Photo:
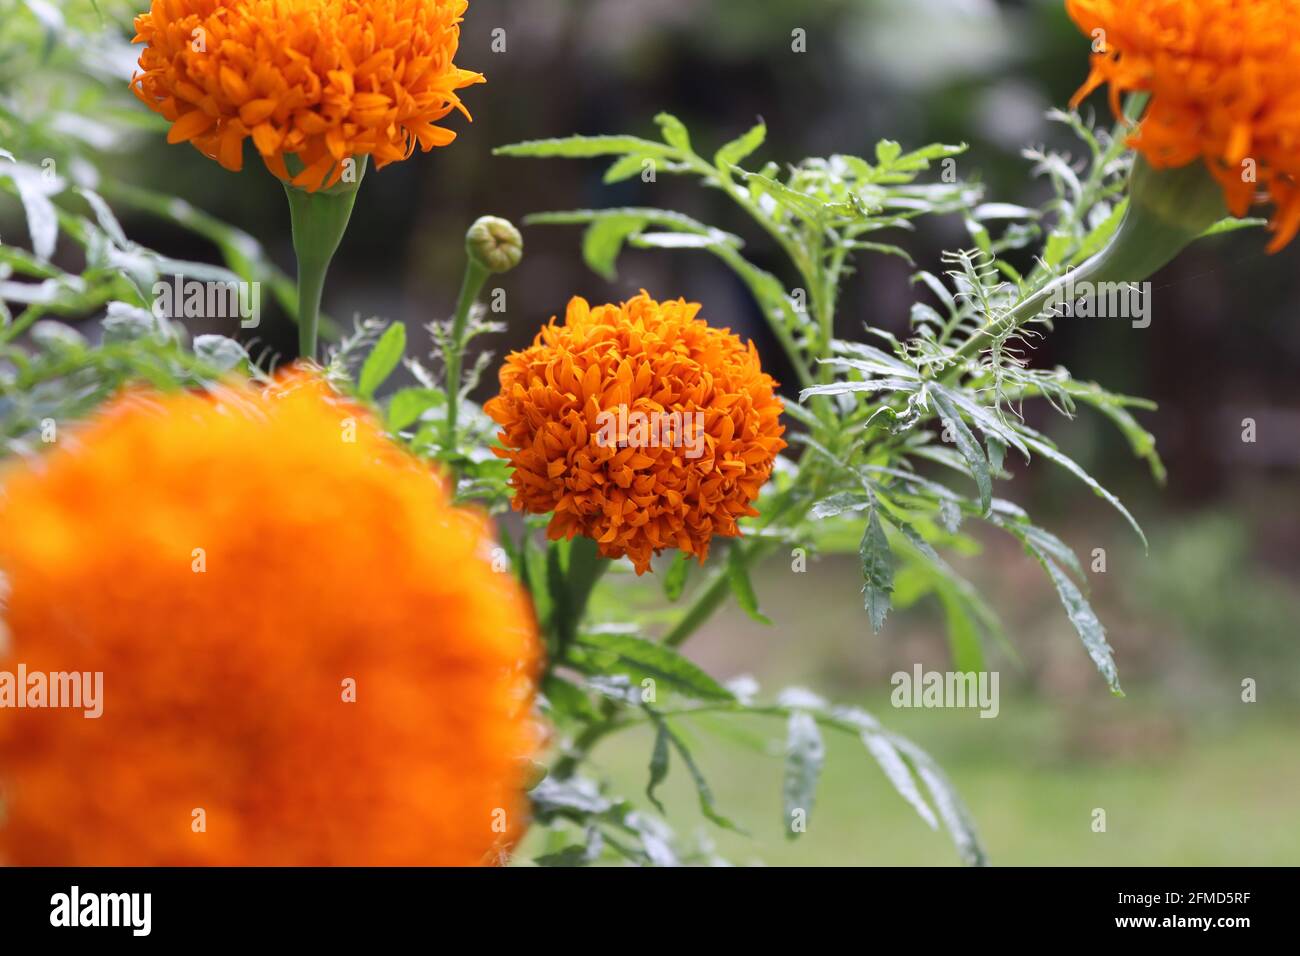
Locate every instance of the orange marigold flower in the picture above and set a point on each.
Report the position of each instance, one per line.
(321, 80)
(299, 636)
(638, 426)
(1224, 79)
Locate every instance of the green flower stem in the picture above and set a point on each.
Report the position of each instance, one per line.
(710, 595)
(1168, 210)
(319, 220)
(471, 285)
(707, 599)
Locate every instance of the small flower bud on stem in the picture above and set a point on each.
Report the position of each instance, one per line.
(492, 245)
(495, 244)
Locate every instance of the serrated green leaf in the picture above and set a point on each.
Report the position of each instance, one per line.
(573, 855)
(968, 617)
(805, 207)
(675, 579)
(970, 449)
(877, 571)
(1097, 239)
(626, 168)
(839, 503)
(585, 147)
(675, 240)
(42, 217)
(381, 361)
(921, 158)
(658, 765)
(567, 699)
(740, 148)
(963, 633)
(899, 775)
(1056, 249)
(950, 515)
(987, 421)
(674, 132)
(220, 352)
(603, 241)
(804, 755)
(1116, 408)
(1233, 224)
(885, 249)
(875, 385)
(406, 406)
(1085, 622)
(104, 216)
(956, 818)
(658, 217)
(741, 587)
(702, 790)
(640, 658)
(1047, 543)
(887, 151)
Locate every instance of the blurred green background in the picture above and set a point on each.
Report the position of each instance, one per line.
(1187, 772)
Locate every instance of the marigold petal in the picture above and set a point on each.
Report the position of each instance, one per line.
(190, 124)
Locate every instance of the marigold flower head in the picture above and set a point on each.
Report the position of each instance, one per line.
(639, 426)
(320, 80)
(238, 565)
(1224, 80)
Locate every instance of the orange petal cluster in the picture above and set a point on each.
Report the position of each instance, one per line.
(632, 496)
(1224, 80)
(320, 80)
(237, 565)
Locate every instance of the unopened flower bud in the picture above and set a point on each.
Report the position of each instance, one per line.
(495, 244)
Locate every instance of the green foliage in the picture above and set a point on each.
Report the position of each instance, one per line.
(884, 423)
(875, 411)
(898, 445)
(65, 112)
(819, 212)
(382, 360)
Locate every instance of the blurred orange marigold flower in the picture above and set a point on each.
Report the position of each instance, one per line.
(321, 80)
(236, 564)
(1224, 79)
(638, 426)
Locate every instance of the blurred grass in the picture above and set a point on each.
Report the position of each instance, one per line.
(1224, 795)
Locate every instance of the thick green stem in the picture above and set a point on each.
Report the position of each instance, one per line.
(1168, 210)
(471, 285)
(319, 221)
(311, 285)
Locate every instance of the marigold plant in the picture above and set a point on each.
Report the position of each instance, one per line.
(639, 426)
(306, 656)
(318, 642)
(320, 86)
